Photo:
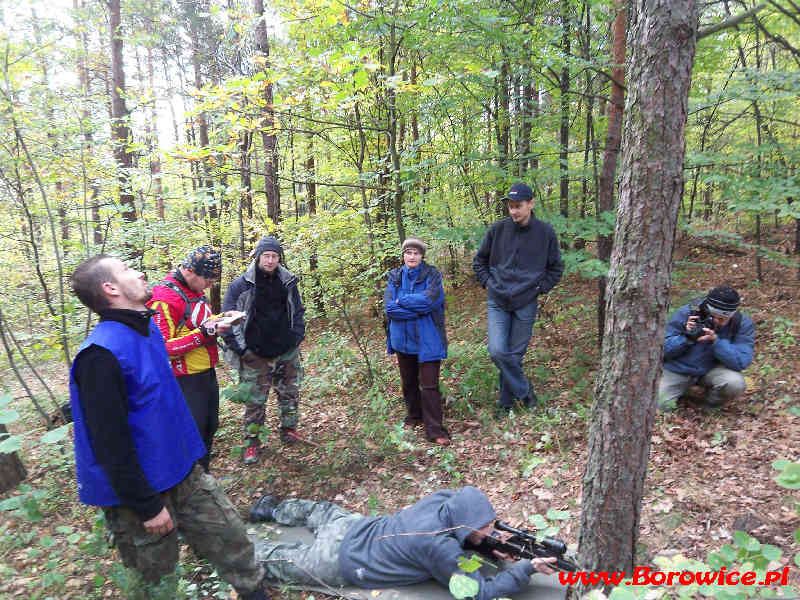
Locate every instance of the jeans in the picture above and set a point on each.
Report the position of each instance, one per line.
(509, 334)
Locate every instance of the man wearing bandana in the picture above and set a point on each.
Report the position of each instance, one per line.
(713, 357)
(181, 312)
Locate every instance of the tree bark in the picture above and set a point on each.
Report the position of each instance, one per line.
(662, 53)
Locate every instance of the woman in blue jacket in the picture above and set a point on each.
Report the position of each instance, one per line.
(414, 301)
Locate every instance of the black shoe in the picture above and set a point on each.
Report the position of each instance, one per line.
(262, 509)
(530, 401)
(258, 594)
(501, 411)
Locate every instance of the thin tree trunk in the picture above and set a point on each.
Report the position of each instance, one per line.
(268, 138)
(120, 132)
(391, 102)
(605, 191)
(563, 166)
(663, 40)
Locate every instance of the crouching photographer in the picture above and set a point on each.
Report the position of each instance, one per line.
(708, 342)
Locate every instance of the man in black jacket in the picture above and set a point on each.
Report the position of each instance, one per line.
(265, 345)
(518, 260)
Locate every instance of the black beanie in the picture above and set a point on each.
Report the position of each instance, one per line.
(266, 244)
(723, 301)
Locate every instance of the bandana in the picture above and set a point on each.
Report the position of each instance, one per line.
(205, 262)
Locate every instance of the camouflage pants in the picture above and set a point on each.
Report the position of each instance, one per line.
(284, 374)
(209, 523)
(300, 563)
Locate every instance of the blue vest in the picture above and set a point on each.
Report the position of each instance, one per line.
(164, 433)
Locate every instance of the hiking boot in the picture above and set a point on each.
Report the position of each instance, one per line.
(501, 411)
(251, 454)
(290, 436)
(530, 401)
(258, 594)
(263, 509)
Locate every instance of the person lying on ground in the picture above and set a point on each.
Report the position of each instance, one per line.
(422, 542)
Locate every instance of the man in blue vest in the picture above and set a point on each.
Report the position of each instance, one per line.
(137, 447)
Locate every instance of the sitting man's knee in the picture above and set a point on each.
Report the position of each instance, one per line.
(733, 386)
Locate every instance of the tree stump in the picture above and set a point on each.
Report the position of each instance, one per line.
(12, 471)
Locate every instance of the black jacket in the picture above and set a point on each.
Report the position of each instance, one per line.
(516, 264)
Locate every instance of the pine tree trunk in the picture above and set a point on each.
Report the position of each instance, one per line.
(662, 41)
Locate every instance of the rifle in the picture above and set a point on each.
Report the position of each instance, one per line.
(523, 544)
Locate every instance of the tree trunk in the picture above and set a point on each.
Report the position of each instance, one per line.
(391, 102)
(563, 165)
(268, 138)
(662, 53)
(605, 191)
(152, 143)
(120, 132)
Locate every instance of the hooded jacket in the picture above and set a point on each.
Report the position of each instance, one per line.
(240, 296)
(733, 347)
(375, 553)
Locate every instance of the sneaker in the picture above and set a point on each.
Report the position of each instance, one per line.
(262, 509)
(251, 454)
(290, 436)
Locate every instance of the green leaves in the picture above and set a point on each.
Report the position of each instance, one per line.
(462, 586)
(789, 476)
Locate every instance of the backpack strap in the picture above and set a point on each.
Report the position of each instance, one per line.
(737, 322)
(187, 303)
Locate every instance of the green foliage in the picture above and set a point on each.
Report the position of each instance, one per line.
(26, 504)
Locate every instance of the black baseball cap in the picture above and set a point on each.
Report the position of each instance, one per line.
(519, 193)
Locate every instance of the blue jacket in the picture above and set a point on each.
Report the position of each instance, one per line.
(732, 349)
(164, 433)
(375, 553)
(416, 313)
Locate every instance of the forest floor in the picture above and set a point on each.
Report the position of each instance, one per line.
(710, 471)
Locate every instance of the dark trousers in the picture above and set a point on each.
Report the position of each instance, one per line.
(425, 406)
(201, 391)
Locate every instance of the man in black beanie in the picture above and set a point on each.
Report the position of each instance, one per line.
(708, 342)
(265, 345)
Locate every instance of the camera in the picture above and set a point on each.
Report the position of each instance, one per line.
(704, 321)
